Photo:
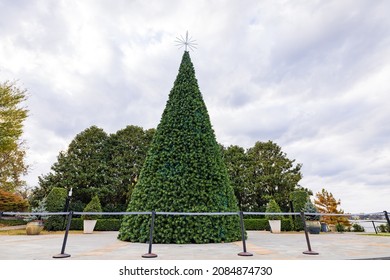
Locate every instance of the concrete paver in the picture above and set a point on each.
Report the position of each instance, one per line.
(263, 245)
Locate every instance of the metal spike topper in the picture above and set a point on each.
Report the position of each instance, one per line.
(186, 42)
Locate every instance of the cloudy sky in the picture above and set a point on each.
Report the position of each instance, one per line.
(312, 76)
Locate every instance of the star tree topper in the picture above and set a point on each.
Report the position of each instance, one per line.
(186, 42)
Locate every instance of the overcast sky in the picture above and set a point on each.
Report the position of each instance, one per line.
(312, 76)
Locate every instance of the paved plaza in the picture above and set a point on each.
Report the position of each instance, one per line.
(263, 245)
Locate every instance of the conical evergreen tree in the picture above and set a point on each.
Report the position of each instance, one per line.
(183, 172)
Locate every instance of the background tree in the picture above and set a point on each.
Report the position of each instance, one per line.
(236, 163)
(126, 150)
(298, 200)
(326, 203)
(270, 174)
(82, 167)
(12, 202)
(97, 163)
(184, 172)
(12, 148)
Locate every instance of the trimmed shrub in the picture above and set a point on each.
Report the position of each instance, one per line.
(384, 228)
(256, 224)
(10, 202)
(273, 207)
(298, 199)
(101, 224)
(340, 228)
(357, 228)
(55, 202)
(262, 224)
(93, 206)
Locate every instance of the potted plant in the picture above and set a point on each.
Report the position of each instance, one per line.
(35, 223)
(273, 220)
(90, 220)
(312, 221)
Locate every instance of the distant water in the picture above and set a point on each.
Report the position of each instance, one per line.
(368, 226)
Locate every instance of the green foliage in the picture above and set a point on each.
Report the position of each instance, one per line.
(55, 202)
(256, 224)
(340, 228)
(101, 224)
(97, 163)
(8, 223)
(357, 228)
(12, 148)
(93, 206)
(310, 208)
(262, 224)
(261, 172)
(298, 199)
(273, 207)
(10, 202)
(126, 149)
(41, 208)
(183, 172)
(236, 163)
(384, 228)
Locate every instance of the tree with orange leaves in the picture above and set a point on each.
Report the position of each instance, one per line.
(326, 203)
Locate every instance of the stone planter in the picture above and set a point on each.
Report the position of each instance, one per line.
(313, 227)
(275, 225)
(89, 225)
(34, 228)
(332, 228)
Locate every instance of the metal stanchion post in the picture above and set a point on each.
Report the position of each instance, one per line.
(63, 254)
(244, 253)
(66, 207)
(150, 254)
(387, 217)
(309, 251)
(373, 224)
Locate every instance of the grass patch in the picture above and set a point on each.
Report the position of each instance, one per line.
(379, 234)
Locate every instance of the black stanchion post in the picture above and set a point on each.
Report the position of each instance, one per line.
(66, 207)
(150, 254)
(63, 254)
(309, 251)
(244, 253)
(373, 224)
(1, 214)
(387, 218)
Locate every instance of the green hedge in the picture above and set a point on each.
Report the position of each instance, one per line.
(114, 224)
(101, 224)
(262, 224)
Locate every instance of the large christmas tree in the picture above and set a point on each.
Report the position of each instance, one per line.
(183, 172)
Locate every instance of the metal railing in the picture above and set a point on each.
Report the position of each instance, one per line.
(153, 214)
